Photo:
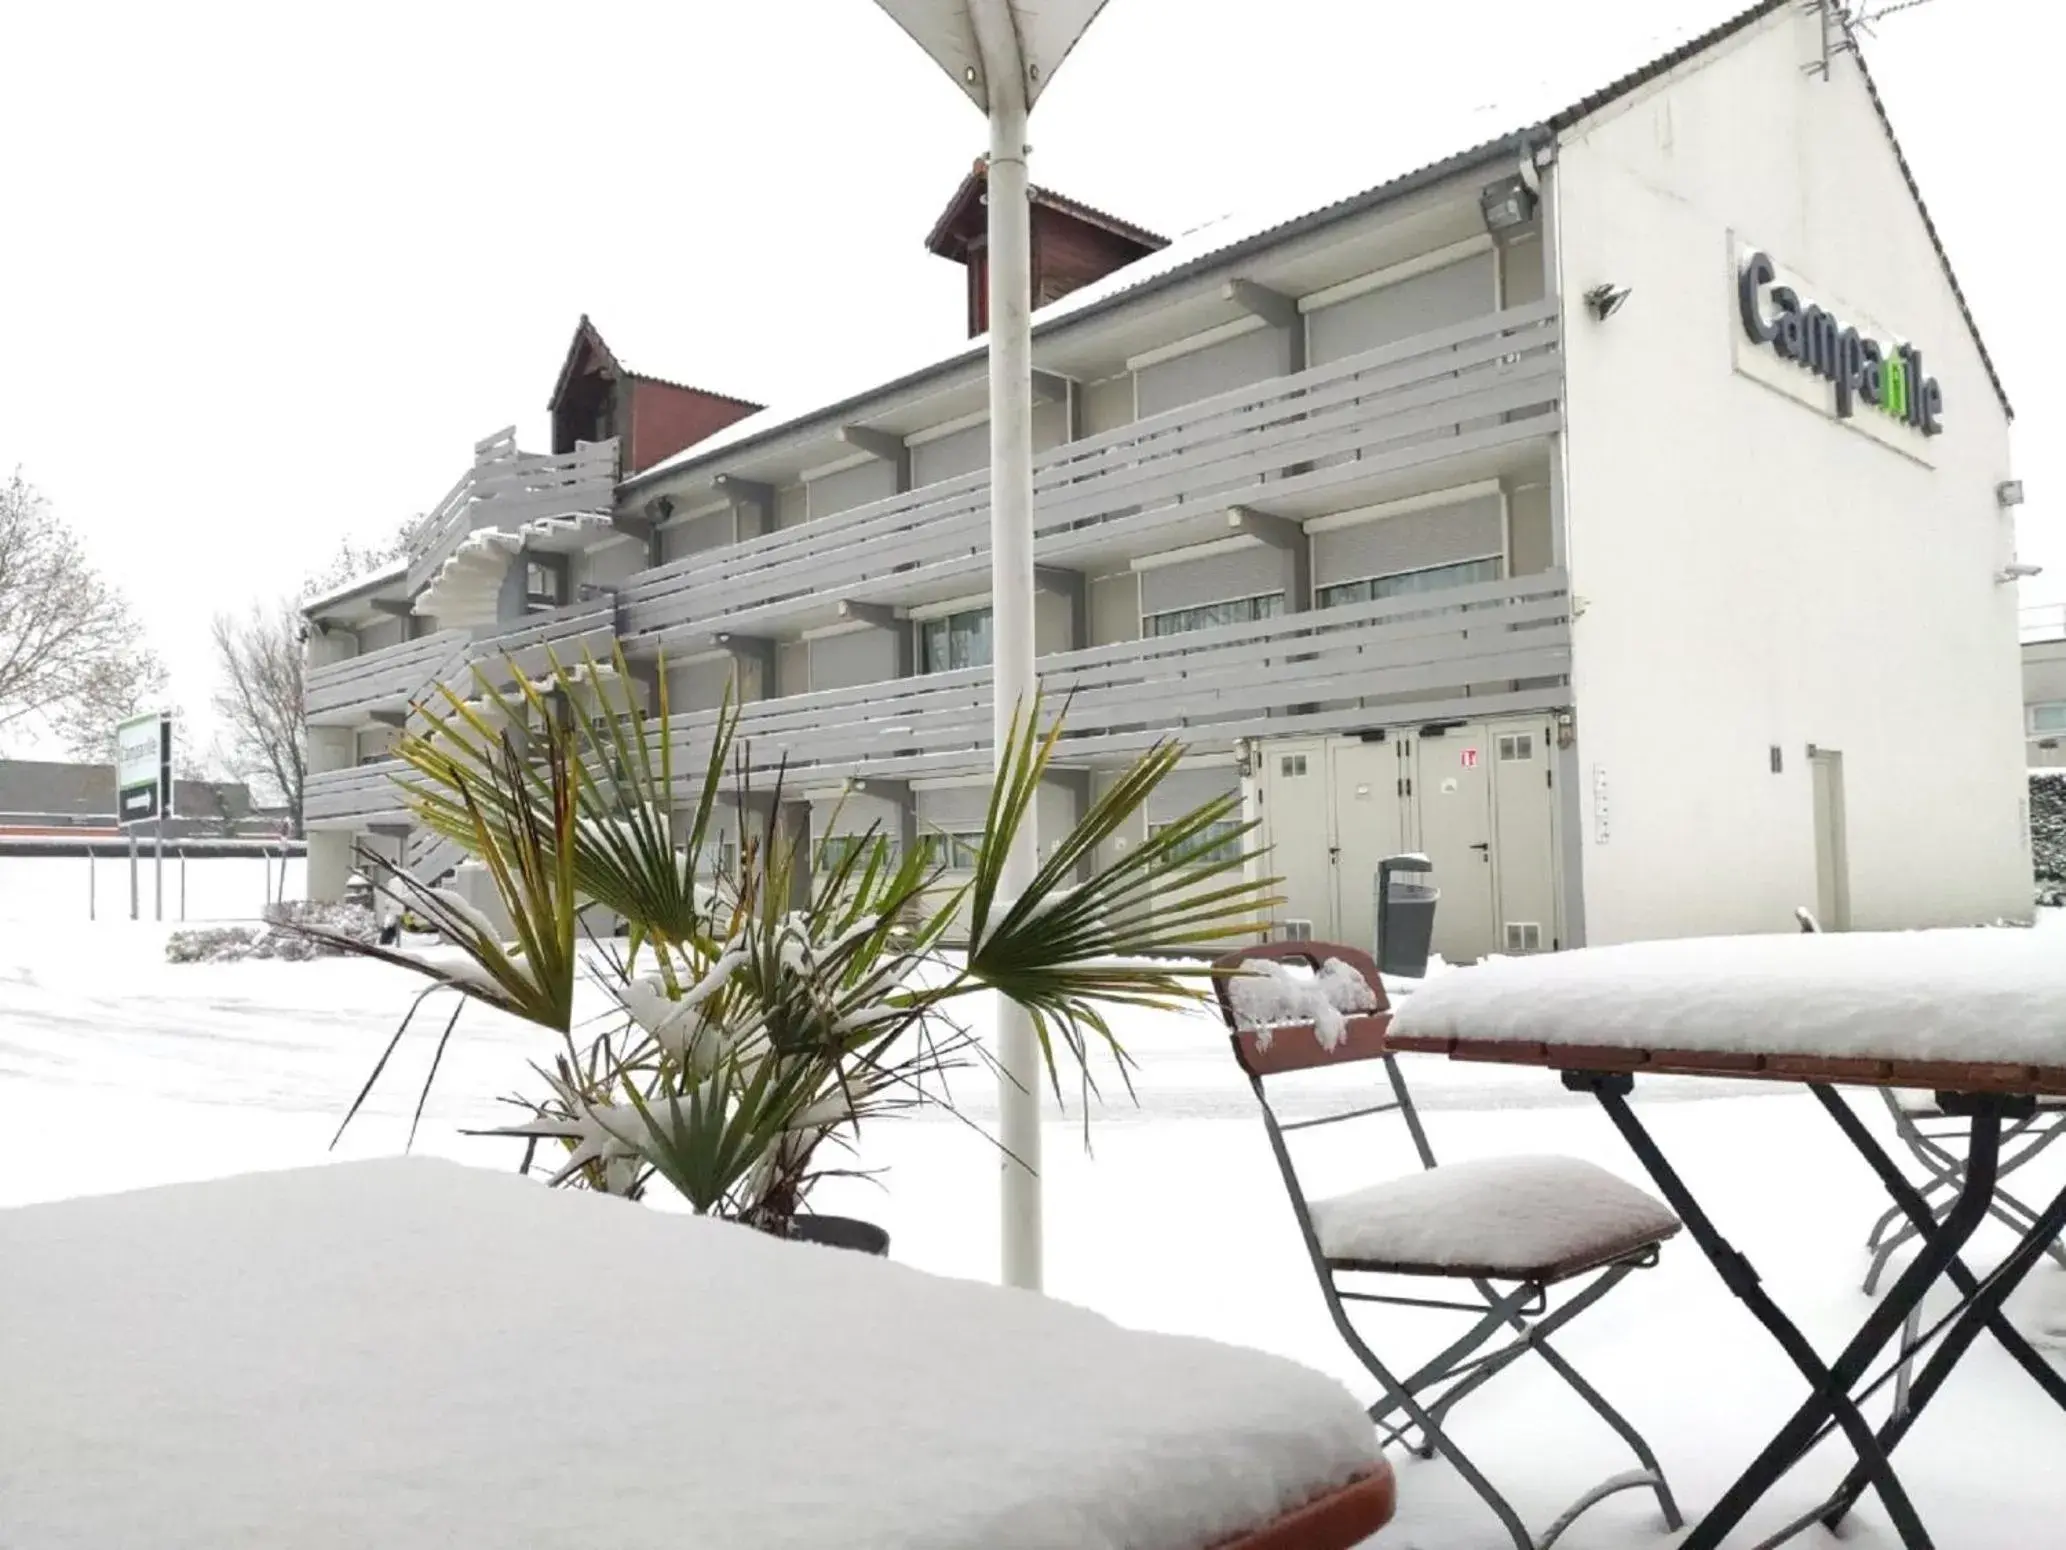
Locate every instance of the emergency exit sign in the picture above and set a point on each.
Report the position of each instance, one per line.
(1470, 758)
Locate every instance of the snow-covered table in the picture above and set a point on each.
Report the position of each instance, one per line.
(409, 1354)
(1978, 1016)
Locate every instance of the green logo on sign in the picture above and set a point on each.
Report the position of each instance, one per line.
(1887, 378)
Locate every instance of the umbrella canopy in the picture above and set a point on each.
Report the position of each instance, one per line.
(946, 29)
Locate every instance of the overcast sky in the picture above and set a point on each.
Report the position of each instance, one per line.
(268, 271)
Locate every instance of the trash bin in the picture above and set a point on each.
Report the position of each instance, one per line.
(1406, 898)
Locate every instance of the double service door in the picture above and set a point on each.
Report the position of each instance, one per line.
(1476, 798)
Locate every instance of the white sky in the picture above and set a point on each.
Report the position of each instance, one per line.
(268, 271)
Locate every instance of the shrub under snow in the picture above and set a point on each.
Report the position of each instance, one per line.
(2048, 834)
(228, 944)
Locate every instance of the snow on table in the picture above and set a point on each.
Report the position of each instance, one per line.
(409, 1353)
(1976, 996)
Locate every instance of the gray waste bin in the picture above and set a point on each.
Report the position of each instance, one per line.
(1406, 898)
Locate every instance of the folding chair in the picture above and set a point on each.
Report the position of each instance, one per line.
(1931, 1136)
(1921, 1123)
(1510, 1229)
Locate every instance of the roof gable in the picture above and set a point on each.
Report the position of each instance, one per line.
(1225, 241)
(964, 219)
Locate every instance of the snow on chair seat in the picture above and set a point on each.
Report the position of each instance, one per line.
(1529, 1222)
(1542, 1219)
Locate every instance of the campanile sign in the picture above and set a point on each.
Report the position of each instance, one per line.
(1821, 353)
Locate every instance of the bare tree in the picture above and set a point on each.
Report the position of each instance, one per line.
(259, 700)
(72, 658)
(354, 559)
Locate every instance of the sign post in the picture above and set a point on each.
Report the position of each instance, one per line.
(143, 794)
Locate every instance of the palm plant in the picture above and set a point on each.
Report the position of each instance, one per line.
(760, 1007)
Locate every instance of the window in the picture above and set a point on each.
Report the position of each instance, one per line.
(954, 640)
(1516, 746)
(1242, 610)
(1214, 843)
(545, 584)
(835, 849)
(956, 852)
(2048, 718)
(1435, 578)
(1291, 765)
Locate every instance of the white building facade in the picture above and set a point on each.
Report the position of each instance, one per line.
(1610, 512)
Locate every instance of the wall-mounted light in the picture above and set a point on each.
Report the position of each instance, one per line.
(2017, 570)
(1605, 299)
(2009, 493)
(1506, 204)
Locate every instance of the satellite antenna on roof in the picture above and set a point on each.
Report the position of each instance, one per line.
(1844, 20)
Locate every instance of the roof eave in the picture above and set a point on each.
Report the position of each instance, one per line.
(1488, 153)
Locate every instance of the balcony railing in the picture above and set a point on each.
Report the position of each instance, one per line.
(1492, 649)
(1281, 445)
(389, 680)
(360, 797)
(1496, 648)
(350, 692)
(506, 488)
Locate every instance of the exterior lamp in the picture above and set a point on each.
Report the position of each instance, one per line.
(1604, 300)
(1506, 204)
(1003, 54)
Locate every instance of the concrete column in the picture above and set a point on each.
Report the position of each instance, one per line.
(329, 864)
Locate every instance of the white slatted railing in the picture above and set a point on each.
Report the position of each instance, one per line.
(506, 488)
(1492, 648)
(386, 679)
(1473, 386)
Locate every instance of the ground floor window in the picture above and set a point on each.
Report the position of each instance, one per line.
(1432, 578)
(1215, 843)
(835, 850)
(954, 640)
(1207, 616)
(953, 852)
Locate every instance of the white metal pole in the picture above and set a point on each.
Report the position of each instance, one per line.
(1011, 599)
(92, 882)
(158, 873)
(133, 895)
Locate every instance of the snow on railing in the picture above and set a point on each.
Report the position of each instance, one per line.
(506, 488)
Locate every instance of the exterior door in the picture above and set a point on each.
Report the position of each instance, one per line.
(1453, 792)
(1299, 830)
(1524, 859)
(1832, 861)
(1369, 810)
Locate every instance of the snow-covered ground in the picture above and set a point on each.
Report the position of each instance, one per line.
(118, 1070)
(80, 890)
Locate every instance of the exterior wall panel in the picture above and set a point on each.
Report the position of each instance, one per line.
(1115, 609)
(1107, 405)
(853, 657)
(1217, 578)
(1255, 356)
(1414, 540)
(963, 452)
(873, 480)
(666, 418)
(1750, 561)
(1528, 530)
(1416, 305)
(697, 535)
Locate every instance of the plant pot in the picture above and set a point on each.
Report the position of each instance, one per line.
(841, 1232)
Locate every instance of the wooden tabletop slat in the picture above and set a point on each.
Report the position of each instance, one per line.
(1370, 1031)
